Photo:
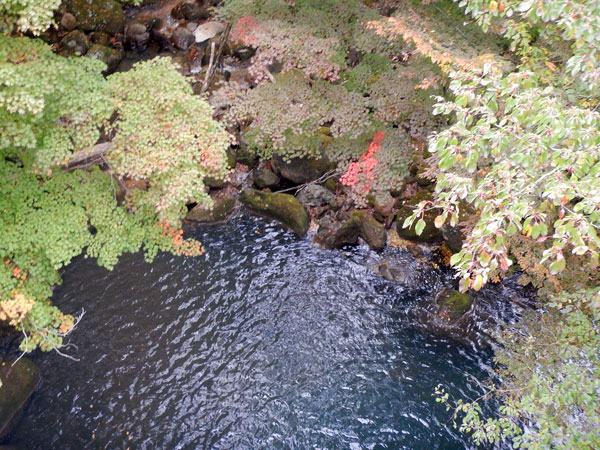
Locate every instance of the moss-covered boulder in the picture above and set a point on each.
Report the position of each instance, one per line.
(430, 232)
(76, 41)
(264, 178)
(18, 384)
(221, 210)
(281, 207)
(452, 305)
(361, 224)
(108, 55)
(301, 170)
(97, 15)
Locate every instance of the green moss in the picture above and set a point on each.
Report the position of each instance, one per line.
(284, 208)
(430, 232)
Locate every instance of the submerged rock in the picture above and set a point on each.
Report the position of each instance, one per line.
(18, 384)
(190, 11)
(284, 208)
(221, 210)
(301, 170)
(430, 232)
(452, 305)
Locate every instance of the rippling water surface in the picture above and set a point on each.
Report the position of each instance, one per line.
(263, 342)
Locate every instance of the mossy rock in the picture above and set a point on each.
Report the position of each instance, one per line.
(362, 224)
(77, 41)
(454, 236)
(452, 305)
(301, 170)
(221, 210)
(215, 183)
(430, 232)
(18, 384)
(284, 208)
(108, 55)
(264, 178)
(97, 15)
(330, 184)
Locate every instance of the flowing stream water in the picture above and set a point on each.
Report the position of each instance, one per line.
(263, 342)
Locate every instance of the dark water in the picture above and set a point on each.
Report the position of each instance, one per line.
(263, 342)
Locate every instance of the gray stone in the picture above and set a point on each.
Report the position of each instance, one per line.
(109, 56)
(183, 38)
(76, 41)
(264, 178)
(208, 31)
(314, 195)
(68, 22)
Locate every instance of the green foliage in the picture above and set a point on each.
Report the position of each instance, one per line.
(27, 15)
(47, 221)
(550, 371)
(43, 123)
(164, 134)
(53, 109)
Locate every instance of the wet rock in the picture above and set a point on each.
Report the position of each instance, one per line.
(76, 41)
(137, 36)
(362, 224)
(454, 236)
(264, 178)
(221, 210)
(231, 157)
(182, 38)
(215, 183)
(161, 34)
(97, 15)
(430, 232)
(452, 305)
(383, 205)
(97, 37)
(18, 384)
(244, 53)
(246, 156)
(301, 170)
(284, 208)
(208, 31)
(190, 11)
(68, 22)
(314, 195)
(109, 56)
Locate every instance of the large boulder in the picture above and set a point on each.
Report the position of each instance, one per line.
(221, 210)
(18, 384)
(430, 232)
(281, 207)
(97, 15)
(301, 170)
